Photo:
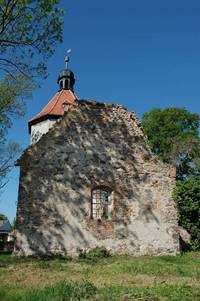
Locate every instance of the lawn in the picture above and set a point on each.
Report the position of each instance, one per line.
(122, 278)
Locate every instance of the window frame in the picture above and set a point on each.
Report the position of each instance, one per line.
(99, 191)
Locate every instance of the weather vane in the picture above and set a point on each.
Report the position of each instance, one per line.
(67, 58)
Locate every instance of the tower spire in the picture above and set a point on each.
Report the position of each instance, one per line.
(66, 78)
(67, 58)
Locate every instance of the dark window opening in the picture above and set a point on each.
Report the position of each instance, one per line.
(61, 84)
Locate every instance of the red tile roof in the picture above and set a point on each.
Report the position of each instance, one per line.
(55, 106)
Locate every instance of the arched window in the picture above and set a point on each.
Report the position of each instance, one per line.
(102, 203)
(66, 83)
(61, 84)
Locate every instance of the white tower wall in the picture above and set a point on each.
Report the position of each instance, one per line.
(41, 128)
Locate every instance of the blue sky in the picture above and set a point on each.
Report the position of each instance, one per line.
(138, 53)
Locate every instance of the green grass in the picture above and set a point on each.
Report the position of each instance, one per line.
(117, 278)
(60, 291)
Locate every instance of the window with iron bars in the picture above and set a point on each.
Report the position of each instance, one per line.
(101, 202)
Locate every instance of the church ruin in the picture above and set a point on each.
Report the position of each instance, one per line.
(89, 179)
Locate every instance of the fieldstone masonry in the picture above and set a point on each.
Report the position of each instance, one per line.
(95, 145)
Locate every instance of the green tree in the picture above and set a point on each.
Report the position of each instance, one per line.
(12, 96)
(28, 28)
(29, 31)
(173, 136)
(187, 197)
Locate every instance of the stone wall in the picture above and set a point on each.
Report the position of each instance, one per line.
(95, 144)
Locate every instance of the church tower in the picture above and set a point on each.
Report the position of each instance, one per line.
(54, 110)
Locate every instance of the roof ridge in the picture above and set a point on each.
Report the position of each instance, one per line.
(56, 101)
(46, 106)
(60, 93)
(74, 94)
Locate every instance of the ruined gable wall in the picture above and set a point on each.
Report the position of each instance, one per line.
(95, 144)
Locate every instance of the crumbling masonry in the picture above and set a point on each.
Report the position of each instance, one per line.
(92, 181)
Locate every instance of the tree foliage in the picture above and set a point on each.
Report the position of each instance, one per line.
(8, 153)
(12, 100)
(187, 197)
(173, 136)
(12, 96)
(29, 30)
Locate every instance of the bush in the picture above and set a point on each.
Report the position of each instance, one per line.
(95, 253)
(187, 198)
